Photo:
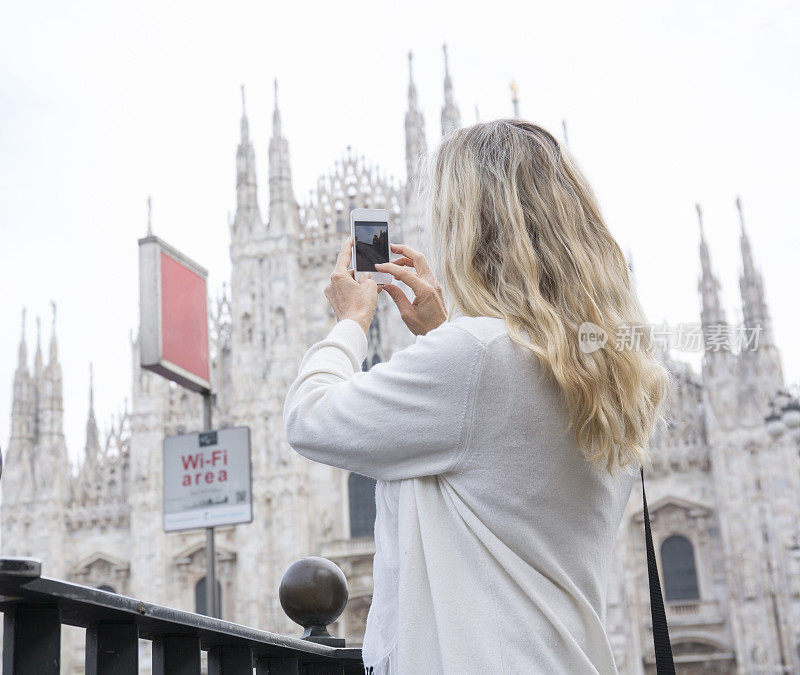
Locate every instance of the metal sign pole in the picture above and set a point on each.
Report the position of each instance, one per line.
(211, 577)
(211, 566)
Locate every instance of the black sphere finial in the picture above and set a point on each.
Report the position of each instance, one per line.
(313, 593)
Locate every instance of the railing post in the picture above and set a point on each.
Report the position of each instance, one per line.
(176, 655)
(277, 665)
(31, 640)
(112, 648)
(230, 661)
(324, 669)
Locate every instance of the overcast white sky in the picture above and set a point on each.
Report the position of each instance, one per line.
(104, 103)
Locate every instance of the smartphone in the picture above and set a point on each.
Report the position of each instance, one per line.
(370, 231)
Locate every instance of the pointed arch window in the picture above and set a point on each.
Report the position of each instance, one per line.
(680, 573)
(200, 606)
(361, 492)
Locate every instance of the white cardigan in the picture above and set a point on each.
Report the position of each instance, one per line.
(493, 533)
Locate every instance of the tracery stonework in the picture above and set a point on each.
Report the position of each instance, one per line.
(738, 507)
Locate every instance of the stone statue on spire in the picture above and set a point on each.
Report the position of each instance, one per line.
(245, 127)
(276, 115)
(39, 336)
(23, 346)
(91, 387)
(53, 339)
(514, 97)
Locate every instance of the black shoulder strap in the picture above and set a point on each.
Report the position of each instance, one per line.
(661, 644)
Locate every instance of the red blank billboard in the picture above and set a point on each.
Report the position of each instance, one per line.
(174, 315)
(184, 323)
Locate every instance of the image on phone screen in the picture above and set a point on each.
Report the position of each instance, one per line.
(372, 244)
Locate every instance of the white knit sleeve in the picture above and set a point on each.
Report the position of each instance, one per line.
(404, 418)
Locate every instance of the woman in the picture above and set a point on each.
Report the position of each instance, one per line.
(504, 451)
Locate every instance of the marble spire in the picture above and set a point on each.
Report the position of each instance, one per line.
(711, 313)
(416, 145)
(247, 212)
(451, 118)
(283, 210)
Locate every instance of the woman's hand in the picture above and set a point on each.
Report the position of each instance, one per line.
(428, 310)
(351, 299)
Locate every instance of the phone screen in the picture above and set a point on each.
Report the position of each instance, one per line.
(372, 244)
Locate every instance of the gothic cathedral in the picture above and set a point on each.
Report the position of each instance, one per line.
(723, 493)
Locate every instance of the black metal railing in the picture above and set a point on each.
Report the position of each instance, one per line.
(312, 593)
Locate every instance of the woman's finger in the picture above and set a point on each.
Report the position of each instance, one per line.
(406, 251)
(405, 274)
(407, 262)
(400, 299)
(418, 260)
(406, 267)
(345, 255)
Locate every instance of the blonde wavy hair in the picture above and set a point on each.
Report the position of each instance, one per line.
(517, 233)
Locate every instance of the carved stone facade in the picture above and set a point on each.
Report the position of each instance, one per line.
(720, 481)
(717, 480)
